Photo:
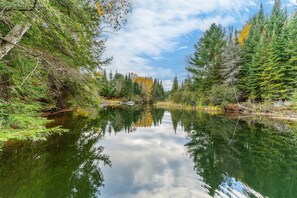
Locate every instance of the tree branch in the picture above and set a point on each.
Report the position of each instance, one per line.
(7, 9)
(12, 38)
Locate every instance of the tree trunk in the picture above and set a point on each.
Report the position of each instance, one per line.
(12, 38)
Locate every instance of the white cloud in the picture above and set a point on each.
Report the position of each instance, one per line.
(292, 3)
(167, 84)
(182, 48)
(155, 27)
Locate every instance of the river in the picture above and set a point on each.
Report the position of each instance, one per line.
(146, 152)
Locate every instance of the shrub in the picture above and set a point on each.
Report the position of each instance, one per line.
(221, 95)
(294, 100)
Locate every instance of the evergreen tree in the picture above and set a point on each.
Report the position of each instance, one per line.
(175, 87)
(158, 92)
(206, 62)
(248, 76)
(128, 87)
(291, 50)
(255, 66)
(273, 77)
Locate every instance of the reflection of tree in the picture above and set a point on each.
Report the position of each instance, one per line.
(119, 119)
(175, 118)
(157, 115)
(63, 166)
(145, 120)
(128, 119)
(68, 165)
(261, 157)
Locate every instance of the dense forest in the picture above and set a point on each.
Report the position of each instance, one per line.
(131, 87)
(258, 63)
(50, 58)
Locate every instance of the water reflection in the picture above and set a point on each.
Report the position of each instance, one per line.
(247, 159)
(129, 119)
(63, 166)
(144, 152)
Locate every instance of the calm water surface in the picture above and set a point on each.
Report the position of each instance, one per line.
(154, 153)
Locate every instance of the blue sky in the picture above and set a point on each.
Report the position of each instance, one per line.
(161, 33)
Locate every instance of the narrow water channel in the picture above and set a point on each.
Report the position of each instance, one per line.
(135, 152)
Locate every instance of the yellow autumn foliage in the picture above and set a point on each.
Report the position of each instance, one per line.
(146, 120)
(243, 34)
(146, 85)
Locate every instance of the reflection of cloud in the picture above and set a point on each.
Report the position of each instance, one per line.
(153, 162)
(153, 165)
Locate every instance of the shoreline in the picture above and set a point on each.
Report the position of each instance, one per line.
(280, 114)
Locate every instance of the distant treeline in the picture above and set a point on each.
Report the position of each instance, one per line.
(131, 87)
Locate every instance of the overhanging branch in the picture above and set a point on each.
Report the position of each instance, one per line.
(6, 9)
(12, 38)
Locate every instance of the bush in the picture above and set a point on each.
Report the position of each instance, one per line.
(221, 95)
(294, 100)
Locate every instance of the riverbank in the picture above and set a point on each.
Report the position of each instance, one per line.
(271, 110)
(257, 110)
(172, 105)
(111, 102)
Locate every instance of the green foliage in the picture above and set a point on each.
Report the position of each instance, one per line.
(267, 72)
(128, 88)
(294, 99)
(158, 92)
(262, 66)
(22, 121)
(186, 94)
(206, 62)
(56, 62)
(249, 75)
(175, 86)
(221, 95)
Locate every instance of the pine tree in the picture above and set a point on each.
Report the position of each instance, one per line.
(274, 70)
(128, 87)
(175, 87)
(206, 62)
(158, 91)
(255, 66)
(248, 77)
(256, 69)
(291, 51)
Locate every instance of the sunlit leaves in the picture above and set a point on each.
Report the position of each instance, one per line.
(114, 12)
(146, 85)
(243, 34)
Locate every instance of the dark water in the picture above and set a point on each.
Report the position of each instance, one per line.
(154, 153)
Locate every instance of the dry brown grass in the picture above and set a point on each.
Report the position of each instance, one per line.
(172, 105)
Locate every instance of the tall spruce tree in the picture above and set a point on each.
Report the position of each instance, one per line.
(158, 92)
(273, 83)
(291, 50)
(175, 87)
(248, 76)
(206, 62)
(255, 66)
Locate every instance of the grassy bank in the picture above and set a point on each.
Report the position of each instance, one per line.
(111, 102)
(245, 109)
(172, 105)
(268, 109)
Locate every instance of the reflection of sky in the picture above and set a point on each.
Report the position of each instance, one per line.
(151, 162)
(236, 189)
